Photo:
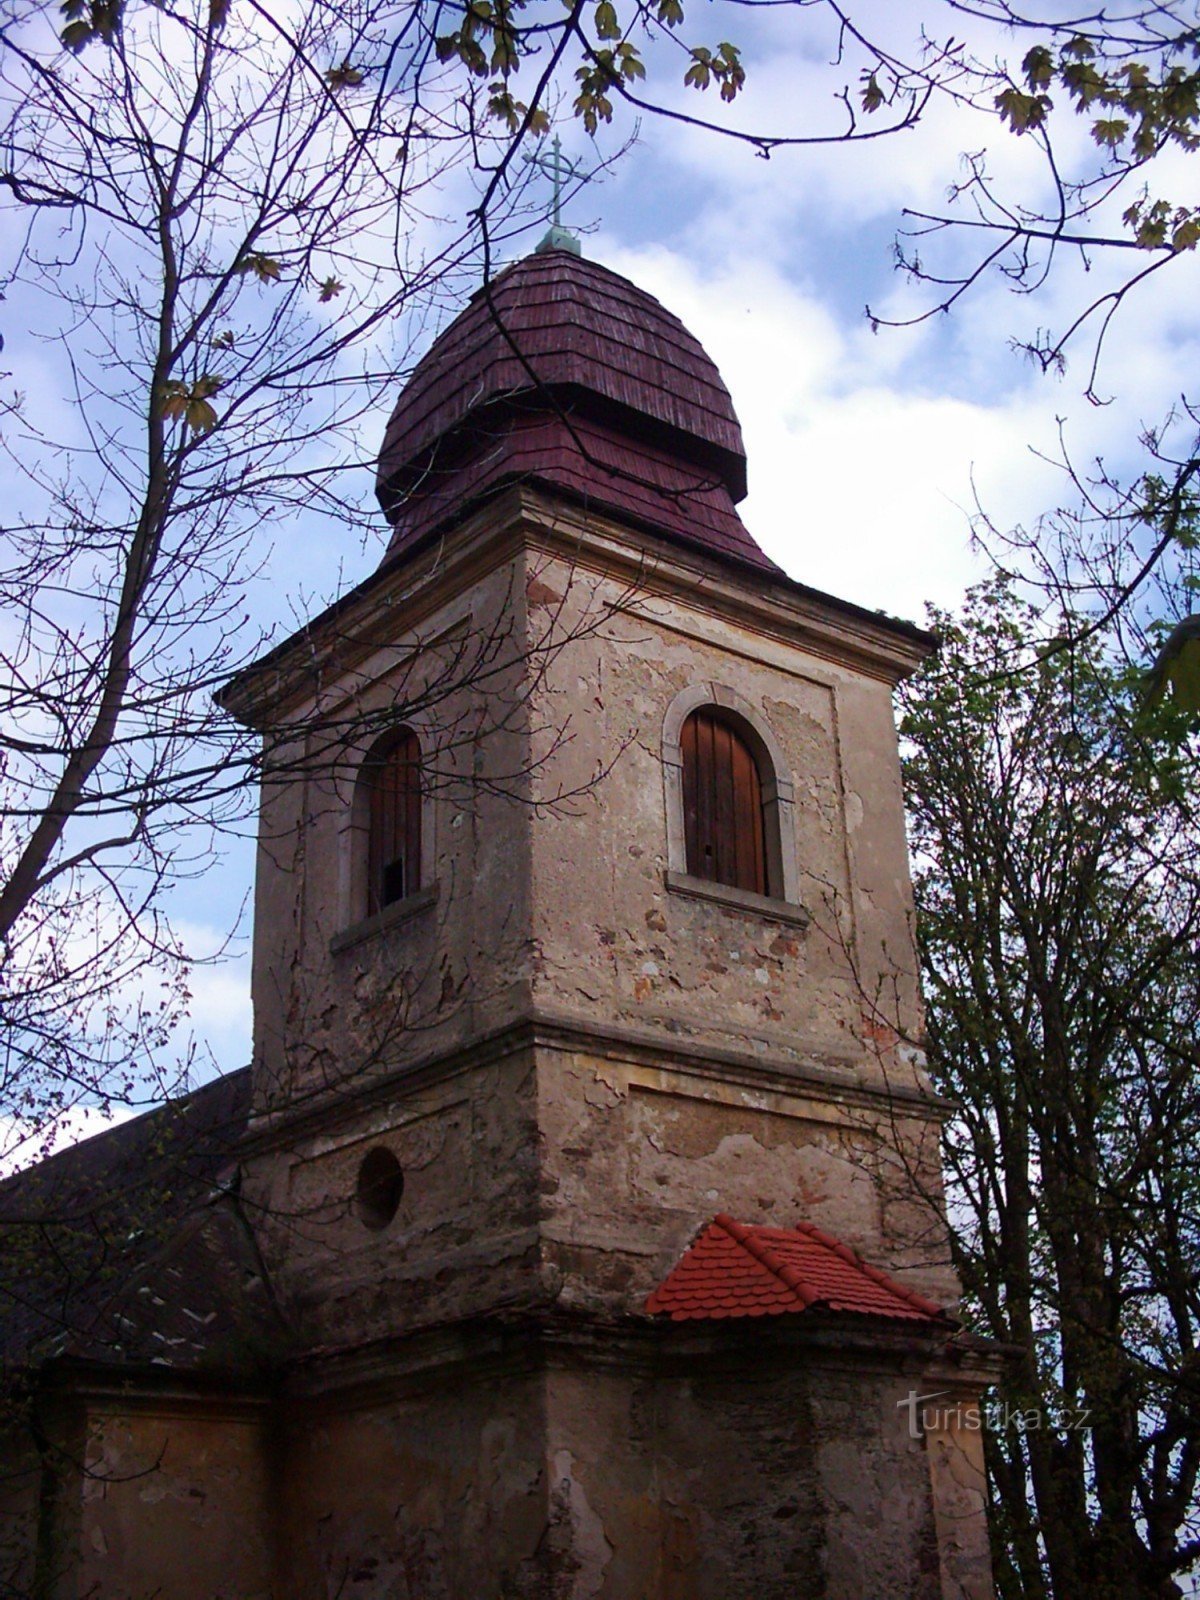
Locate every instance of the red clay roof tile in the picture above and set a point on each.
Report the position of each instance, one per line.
(736, 1269)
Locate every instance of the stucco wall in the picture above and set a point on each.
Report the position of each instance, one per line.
(171, 1504)
(547, 843)
(614, 942)
(720, 1475)
(465, 1235)
(636, 1157)
(339, 998)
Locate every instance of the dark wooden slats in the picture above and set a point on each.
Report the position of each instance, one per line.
(635, 481)
(722, 805)
(575, 322)
(393, 777)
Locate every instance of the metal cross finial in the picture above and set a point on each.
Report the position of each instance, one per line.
(557, 167)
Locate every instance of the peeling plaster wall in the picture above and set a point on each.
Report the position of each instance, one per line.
(635, 1158)
(499, 1466)
(440, 1496)
(172, 1506)
(681, 1057)
(954, 1443)
(340, 999)
(553, 1175)
(465, 1236)
(604, 1481)
(613, 942)
(546, 847)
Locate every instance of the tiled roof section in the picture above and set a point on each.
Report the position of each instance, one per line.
(596, 468)
(562, 327)
(735, 1269)
(565, 374)
(130, 1247)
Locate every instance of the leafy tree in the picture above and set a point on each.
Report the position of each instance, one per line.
(1058, 902)
(221, 223)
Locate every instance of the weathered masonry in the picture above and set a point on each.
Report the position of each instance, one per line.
(576, 1230)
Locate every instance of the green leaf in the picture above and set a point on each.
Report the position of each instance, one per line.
(630, 62)
(1086, 85)
(607, 25)
(330, 289)
(699, 73)
(504, 53)
(191, 404)
(174, 402)
(200, 416)
(1109, 131)
(1178, 665)
(872, 94)
(76, 35)
(1022, 111)
(344, 77)
(264, 268)
(1038, 67)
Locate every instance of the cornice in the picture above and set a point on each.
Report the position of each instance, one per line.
(844, 1088)
(403, 594)
(538, 1339)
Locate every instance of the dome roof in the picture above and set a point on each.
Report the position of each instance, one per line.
(563, 372)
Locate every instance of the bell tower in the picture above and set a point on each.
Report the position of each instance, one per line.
(592, 1157)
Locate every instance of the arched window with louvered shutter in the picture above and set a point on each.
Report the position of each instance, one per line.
(724, 824)
(392, 778)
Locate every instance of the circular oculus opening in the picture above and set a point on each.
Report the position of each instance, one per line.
(379, 1190)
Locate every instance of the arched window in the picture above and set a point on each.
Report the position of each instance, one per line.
(724, 831)
(392, 778)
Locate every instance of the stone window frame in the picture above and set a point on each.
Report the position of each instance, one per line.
(778, 794)
(354, 850)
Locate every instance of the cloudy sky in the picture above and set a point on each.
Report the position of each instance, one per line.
(868, 451)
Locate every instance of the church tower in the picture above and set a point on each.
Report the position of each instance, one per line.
(591, 1155)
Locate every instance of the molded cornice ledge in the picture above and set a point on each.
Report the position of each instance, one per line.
(845, 1086)
(650, 566)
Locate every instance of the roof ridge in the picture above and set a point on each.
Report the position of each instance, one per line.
(919, 1301)
(744, 1234)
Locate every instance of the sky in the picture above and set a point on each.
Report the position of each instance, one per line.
(869, 451)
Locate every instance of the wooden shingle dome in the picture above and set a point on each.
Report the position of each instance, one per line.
(562, 373)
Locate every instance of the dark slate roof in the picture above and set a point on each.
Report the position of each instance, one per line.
(738, 1269)
(562, 372)
(130, 1246)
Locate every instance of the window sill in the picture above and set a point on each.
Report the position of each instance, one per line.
(400, 911)
(721, 894)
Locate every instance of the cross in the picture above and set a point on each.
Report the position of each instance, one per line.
(556, 166)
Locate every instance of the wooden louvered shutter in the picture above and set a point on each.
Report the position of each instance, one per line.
(722, 805)
(394, 849)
